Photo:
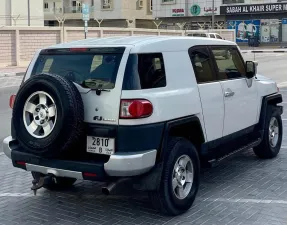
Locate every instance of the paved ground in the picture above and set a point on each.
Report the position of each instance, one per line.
(241, 190)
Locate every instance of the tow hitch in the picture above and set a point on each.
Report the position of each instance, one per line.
(40, 182)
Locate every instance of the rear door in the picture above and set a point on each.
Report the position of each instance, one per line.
(210, 91)
(240, 99)
(98, 75)
(90, 69)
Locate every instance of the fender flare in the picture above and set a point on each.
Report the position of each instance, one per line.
(151, 180)
(272, 99)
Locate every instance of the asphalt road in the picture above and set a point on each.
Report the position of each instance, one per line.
(242, 190)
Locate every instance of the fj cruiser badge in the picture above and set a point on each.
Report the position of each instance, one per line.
(100, 118)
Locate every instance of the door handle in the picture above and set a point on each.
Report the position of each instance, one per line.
(228, 93)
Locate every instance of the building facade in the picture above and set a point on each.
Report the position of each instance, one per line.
(21, 13)
(109, 13)
(265, 19)
(195, 13)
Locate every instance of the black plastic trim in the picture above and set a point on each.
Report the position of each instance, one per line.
(139, 138)
(168, 126)
(97, 168)
(272, 99)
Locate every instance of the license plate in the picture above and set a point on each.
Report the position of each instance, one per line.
(101, 145)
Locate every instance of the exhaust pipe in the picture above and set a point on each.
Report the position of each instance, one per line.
(108, 189)
(111, 186)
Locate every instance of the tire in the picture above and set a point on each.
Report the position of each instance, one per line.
(165, 199)
(58, 184)
(68, 120)
(268, 149)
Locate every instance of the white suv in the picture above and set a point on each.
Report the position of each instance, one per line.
(149, 109)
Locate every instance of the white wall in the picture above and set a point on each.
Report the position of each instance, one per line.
(5, 9)
(11, 9)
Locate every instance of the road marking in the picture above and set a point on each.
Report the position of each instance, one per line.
(17, 194)
(265, 201)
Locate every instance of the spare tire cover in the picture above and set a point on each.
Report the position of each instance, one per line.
(48, 115)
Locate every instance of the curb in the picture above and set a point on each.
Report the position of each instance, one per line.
(11, 74)
(264, 51)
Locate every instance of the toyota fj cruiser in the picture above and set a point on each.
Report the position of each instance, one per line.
(150, 109)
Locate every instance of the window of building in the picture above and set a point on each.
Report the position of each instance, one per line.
(150, 4)
(107, 4)
(232, 1)
(93, 3)
(229, 62)
(202, 65)
(144, 71)
(46, 5)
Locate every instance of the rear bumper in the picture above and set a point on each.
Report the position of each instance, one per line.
(119, 165)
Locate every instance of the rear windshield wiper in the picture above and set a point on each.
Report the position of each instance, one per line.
(96, 85)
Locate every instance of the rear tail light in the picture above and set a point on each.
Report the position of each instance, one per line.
(135, 109)
(11, 101)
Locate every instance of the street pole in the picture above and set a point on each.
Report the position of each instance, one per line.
(29, 18)
(212, 16)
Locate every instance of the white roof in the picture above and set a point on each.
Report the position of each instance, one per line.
(146, 43)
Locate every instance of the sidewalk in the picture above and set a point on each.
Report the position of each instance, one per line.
(12, 71)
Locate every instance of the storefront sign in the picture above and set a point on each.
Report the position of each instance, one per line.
(195, 10)
(177, 12)
(258, 8)
(208, 11)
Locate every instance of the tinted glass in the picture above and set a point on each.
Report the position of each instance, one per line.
(98, 70)
(202, 65)
(212, 35)
(199, 35)
(218, 37)
(229, 62)
(144, 71)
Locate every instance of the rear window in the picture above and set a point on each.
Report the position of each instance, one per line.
(144, 71)
(92, 68)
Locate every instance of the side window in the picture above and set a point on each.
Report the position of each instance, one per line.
(212, 35)
(202, 65)
(229, 62)
(218, 37)
(144, 71)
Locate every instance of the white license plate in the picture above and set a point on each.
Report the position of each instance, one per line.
(101, 145)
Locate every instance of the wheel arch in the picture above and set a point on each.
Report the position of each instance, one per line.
(151, 180)
(188, 127)
(273, 100)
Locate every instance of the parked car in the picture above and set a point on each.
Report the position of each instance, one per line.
(148, 109)
(203, 34)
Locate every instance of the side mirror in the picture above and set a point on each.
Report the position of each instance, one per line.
(250, 69)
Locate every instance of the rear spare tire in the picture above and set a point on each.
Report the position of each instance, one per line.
(48, 115)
